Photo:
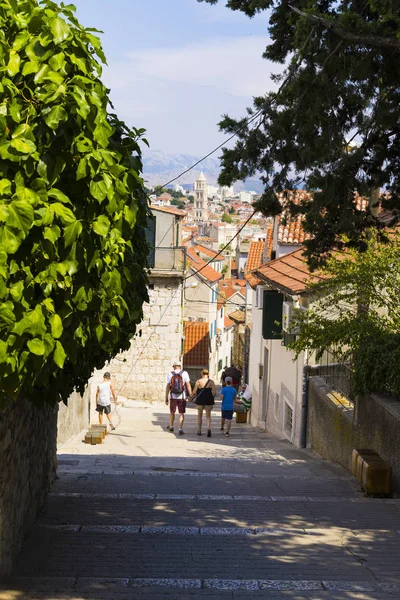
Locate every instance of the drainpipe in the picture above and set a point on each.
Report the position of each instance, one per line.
(307, 371)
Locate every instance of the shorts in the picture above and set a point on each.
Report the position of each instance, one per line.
(206, 407)
(103, 409)
(177, 404)
(227, 414)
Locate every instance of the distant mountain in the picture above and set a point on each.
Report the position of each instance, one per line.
(159, 168)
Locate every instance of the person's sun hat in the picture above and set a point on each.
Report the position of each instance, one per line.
(228, 380)
(177, 363)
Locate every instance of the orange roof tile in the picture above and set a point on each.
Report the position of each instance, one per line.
(196, 351)
(290, 273)
(208, 252)
(169, 209)
(254, 258)
(252, 280)
(238, 316)
(228, 322)
(270, 242)
(198, 264)
(229, 287)
(290, 229)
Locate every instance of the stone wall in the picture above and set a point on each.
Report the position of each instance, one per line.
(140, 373)
(27, 468)
(74, 417)
(335, 430)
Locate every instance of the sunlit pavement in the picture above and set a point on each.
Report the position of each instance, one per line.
(152, 515)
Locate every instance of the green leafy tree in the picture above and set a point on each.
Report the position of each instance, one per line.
(190, 198)
(232, 211)
(355, 311)
(73, 207)
(178, 203)
(226, 218)
(340, 87)
(158, 190)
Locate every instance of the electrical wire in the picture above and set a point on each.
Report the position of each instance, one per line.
(248, 121)
(222, 249)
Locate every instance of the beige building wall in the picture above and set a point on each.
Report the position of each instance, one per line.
(140, 373)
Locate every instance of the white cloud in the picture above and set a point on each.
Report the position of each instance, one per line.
(179, 94)
(233, 65)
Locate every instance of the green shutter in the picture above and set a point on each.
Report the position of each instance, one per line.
(151, 240)
(272, 315)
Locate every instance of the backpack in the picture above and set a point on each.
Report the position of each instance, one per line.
(177, 386)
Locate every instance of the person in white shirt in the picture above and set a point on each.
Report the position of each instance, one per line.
(177, 392)
(103, 399)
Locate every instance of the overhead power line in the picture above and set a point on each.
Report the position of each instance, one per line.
(247, 122)
(222, 249)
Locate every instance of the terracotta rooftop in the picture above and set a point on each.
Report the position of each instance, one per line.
(289, 273)
(238, 316)
(254, 258)
(270, 243)
(290, 229)
(229, 287)
(228, 322)
(198, 263)
(196, 352)
(208, 252)
(169, 209)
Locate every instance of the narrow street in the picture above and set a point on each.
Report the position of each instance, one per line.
(150, 515)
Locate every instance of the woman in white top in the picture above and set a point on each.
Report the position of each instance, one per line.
(103, 399)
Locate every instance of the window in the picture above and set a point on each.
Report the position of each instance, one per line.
(220, 364)
(288, 418)
(272, 315)
(150, 232)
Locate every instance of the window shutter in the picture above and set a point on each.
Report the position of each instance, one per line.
(151, 240)
(272, 315)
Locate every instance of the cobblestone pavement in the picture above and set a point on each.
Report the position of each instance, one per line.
(152, 515)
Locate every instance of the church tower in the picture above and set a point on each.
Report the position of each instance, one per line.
(200, 200)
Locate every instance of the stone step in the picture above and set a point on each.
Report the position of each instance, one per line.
(220, 511)
(283, 556)
(124, 588)
(203, 483)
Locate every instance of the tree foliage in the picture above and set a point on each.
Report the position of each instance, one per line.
(72, 207)
(355, 311)
(226, 218)
(340, 86)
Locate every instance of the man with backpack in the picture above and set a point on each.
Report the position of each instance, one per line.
(176, 393)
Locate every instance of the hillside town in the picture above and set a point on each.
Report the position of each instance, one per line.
(199, 300)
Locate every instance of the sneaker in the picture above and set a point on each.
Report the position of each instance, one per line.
(181, 432)
(112, 427)
(227, 433)
(221, 429)
(170, 429)
(209, 433)
(199, 433)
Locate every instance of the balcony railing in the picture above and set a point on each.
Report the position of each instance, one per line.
(168, 260)
(337, 373)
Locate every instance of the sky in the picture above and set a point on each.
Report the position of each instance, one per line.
(176, 66)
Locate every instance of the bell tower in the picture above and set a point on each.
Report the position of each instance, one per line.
(200, 200)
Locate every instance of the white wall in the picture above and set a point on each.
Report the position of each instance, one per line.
(280, 385)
